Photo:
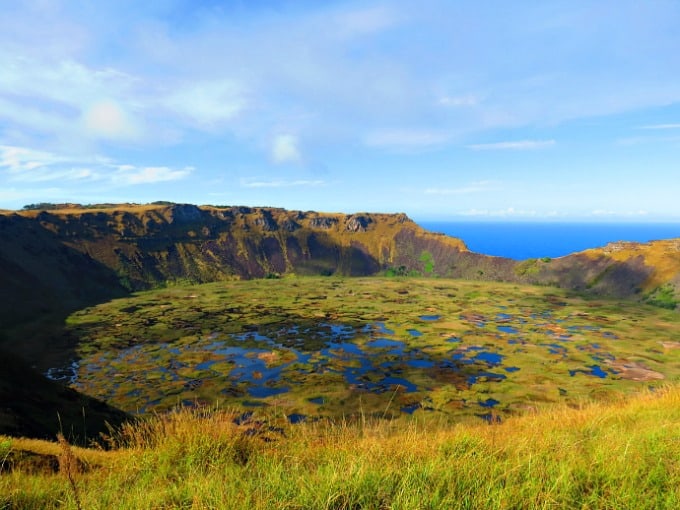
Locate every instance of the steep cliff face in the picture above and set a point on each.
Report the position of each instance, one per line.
(151, 245)
(42, 277)
(74, 256)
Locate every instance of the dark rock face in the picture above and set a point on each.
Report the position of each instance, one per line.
(357, 223)
(290, 225)
(266, 222)
(323, 222)
(185, 213)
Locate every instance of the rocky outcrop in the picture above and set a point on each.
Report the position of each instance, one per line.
(86, 254)
(357, 223)
(322, 222)
(266, 221)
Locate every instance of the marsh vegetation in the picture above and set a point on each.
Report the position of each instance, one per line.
(325, 348)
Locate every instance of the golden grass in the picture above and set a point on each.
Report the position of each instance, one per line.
(663, 256)
(624, 454)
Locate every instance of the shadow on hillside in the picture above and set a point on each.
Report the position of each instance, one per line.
(601, 276)
(42, 281)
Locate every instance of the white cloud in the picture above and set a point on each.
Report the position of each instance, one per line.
(661, 126)
(47, 174)
(280, 183)
(207, 103)
(611, 213)
(27, 165)
(407, 138)
(638, 140)
(131, 175)
(518, 145)
(67, 100)
(285, 149)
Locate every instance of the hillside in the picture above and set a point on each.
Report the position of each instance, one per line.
(33, 406)
(143, 246)
(53, 262)
(57, 261)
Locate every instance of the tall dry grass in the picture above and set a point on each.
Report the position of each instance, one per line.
(624, 454)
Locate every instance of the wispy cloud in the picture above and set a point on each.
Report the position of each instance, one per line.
(458, 101)
(207, 104)
(130, 175)
(661, 126)
(612, 214)
(406, 138)
(22, 159)
(280, 183)
(68, 100)
(637, 140)
(26, 165)
(521, 145)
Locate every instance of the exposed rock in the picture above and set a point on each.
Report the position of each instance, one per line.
(185, 213)
(635, 371)
(619, 246)
(290, 225)
(266, 221)
(357, 223)
(323, 222)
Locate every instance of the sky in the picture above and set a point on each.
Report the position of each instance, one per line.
(445, 110)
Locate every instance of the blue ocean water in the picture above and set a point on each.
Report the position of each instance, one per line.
(521, 241)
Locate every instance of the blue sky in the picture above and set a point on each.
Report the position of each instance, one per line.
(514, 111)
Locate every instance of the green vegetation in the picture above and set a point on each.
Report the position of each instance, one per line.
(401, 271)
(381, 346)
(41, 206)
(624, 454)
(664, 297)
(527, 267)
(428, 262)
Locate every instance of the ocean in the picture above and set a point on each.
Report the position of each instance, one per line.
(521, 241)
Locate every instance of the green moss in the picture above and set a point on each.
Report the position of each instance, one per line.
(428, 262)
(663, 297)
(527, 267)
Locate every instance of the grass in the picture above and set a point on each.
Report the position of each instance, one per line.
(622, 454)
